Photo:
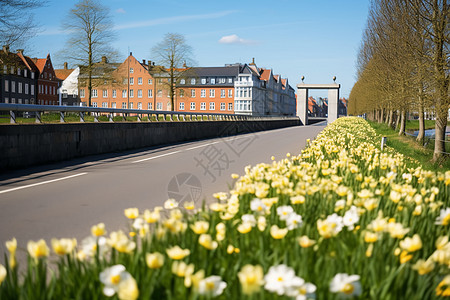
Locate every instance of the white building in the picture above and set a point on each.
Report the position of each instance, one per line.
(68, 92)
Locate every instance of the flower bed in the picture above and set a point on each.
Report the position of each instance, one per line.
(341, 220)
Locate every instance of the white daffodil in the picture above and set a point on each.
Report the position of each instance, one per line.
(279, 279)
(293, 221)
(351, 217)
(212, 286)
(347, 286)
(284, 212)
(117, 280)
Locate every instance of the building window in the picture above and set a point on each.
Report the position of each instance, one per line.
(150, 93)
(124, 93)
(212, 93)
(94, 93)
(105, 93)
(131, 70)
(139, 93)
(25, 73)
(181, 105)
(192, 80)
(32, 75)
(213, 81)
(230, 93)
(124, 81)
(12, 72)
(150, 81)
(131, 80)
(230, 80)
(131, 93)
(94, 104)
(149, 106)
(212, 106)
(159, 93)
(139, 105)
(5, 70)
(203, 80)
(203, 106)
(192, 93)
(114, 95)
(221, 80)
(6, 85)
(203, 93)
(181, 93)
(222, 93)
(18, 72)
(160, 80)
(105, 104)
(131, 105)
(222, 106)
(158, 105)
(6, 100)
(192, 105)
(139, 80)
(81, 93)
(124, 105)
(113, 105)
(32, 90)
(230, 106)
(27, 89)
(13, 86)
(19, 87)
(182, 81)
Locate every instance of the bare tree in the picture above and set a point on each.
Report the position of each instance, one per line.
(173, 53)
(90, 33)
(16, 20)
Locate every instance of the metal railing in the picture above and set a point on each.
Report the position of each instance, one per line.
(96, 112)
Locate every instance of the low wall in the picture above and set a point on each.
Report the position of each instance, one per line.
(32, 144)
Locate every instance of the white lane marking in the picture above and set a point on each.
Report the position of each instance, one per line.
(39, 183)
(199, 146)
(153, 157)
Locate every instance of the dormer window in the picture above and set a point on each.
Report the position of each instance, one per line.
(5, 69)
(203, 80)
(18, 71)
(192, 80)
(213, 81)
(25, 73)
(32, 75)
(182, 81)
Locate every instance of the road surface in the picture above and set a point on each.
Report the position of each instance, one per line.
(66, 199)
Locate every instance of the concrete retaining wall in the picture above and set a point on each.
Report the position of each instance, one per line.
(32, 144)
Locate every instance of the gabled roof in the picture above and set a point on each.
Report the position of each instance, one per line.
(232, 70)
(265, 74)
(63, 73)
(276, 77)
(40, 63)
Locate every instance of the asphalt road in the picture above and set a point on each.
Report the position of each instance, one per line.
(66, 199)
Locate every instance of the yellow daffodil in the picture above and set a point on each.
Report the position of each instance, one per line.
(151, 216)
(131, 213)
(305, 242)
(244, 227)
(189, 205)
(405, 257)
(2, 273)
(170, 204)
(119, 241)
(443, 288)
(424, 266)
(154, 260)
(63, 246)
(38, 249)
(206, 241)
(411, 244)
(12, 247)
(177, 253)
(181, 269)
(251, 279)
(200, 227)
(278, 233)
(98, 230)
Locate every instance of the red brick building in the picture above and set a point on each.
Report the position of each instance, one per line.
(48, 83)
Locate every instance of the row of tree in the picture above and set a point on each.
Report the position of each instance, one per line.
(89, 29)
(403, 65)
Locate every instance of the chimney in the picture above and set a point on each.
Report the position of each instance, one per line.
(153, 63)
(143, 61)
(253, 62)
(149, 62)
(6, 49)
(65, 66)
(19, 51)
(131, 53)
(104, 59)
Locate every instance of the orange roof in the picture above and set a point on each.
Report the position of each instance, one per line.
(265, 74)
(276, 77)
(40, 63)
(63, 73)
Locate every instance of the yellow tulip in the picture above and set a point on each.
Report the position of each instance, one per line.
(38, 249)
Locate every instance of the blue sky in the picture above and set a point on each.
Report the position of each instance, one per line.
(317, 39)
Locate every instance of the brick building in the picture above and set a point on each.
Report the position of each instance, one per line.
(47, 82)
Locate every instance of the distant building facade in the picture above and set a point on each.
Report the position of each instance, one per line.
(47, 82)
(68, 91)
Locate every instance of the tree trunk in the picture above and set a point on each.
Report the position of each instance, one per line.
(402, 123)
(397, 120)
(421, 134)
(439, 143)
(391, 117)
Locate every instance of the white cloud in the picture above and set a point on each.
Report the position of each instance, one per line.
(234, 39)
(171, 20)
(121, 11)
